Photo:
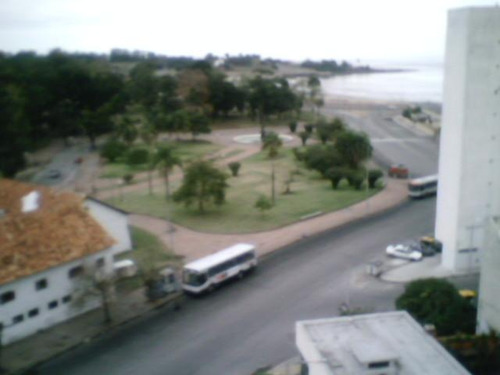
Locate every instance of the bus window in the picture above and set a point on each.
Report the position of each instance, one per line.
(194, 278)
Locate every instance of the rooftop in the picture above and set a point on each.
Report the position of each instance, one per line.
(56, 228)
(364, 343)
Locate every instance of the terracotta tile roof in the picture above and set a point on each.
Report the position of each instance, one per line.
(59, 231)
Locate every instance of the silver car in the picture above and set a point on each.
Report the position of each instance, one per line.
(404, 252)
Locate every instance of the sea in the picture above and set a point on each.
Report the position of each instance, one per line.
(414, 83)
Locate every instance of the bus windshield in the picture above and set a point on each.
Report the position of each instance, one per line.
(194, 278)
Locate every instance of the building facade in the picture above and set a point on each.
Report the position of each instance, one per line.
(53, 246)
(469, 163)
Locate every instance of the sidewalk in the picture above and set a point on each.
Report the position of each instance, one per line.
(26, 354)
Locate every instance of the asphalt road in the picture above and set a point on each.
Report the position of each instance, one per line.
(250, 324)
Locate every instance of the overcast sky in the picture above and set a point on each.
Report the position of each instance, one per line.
(368, 30)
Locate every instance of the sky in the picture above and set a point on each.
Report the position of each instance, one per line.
(363, 31)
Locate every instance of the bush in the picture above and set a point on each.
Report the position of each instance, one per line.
(234, 167)
(309, 128)
(113, 149)
(335, 175)
(292, 126)
(127, 178)
(304, 136)
(373, 176)
(355, 178)
(263, 203)
(298, 153)
(437, 302)
(137, 156)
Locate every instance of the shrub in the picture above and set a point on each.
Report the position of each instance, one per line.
(335, 175)
(234, 166)
(298, 153)
(373, 176)
(309, 128)
(113, 149)
(304, 136)
(137, 156)
(407, 113)
(436, 301)
(127, 178)
(292, 126)
(263, 203)
(355, 177)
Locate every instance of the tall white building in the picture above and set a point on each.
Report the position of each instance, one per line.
(469, 163)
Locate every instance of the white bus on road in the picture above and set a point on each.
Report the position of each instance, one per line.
(423, 186)
(206, 273)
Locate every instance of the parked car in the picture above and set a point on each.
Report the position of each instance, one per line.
(404, 252)
(431, 242)
(398, 171)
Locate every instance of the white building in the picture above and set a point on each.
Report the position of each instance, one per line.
(373, 344)
(488, 314)
(469, 163)
(47, 241)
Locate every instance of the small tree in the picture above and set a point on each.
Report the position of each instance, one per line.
(438, 302)
(137, 156)
(309, 128)
(335, 175)
(373, 176)
(234, 166)
(127, 178)
(292, 126)
(304, 136)
(354, 147)
(166, 160)
(263, 204)
(113, 149)
(355, 177)
(202, 183)
(272, 142)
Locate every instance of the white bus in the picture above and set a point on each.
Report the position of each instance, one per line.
(206, 273)
(423, 186)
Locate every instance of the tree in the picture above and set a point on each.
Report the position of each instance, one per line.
(315, 95)
(272, 142)
(198, 123)
(113, 149)
(335, 175)
(304, 136)
(292, 125)
(234, 166)
(354, 148)
(437, 302)
(149, 134)
(373, 176)
(263, 204)
(321, 158)
(127, 130)
(166, 160)
(203, 183)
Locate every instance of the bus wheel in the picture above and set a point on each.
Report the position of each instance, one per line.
(211, 288)
(240, 275)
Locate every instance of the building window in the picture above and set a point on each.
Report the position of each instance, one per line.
(53, 304)
(67, 299)
(18, 319)
(7, 297)
(75, 272)
(41, 284)
(33, 312)
(100, 262)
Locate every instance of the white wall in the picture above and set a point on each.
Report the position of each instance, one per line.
(489, 286)
(469, 161)
(28, 298)
(114, 222)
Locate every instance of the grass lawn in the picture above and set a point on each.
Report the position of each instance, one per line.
(310, 194)
(149, 253)
(186, 150)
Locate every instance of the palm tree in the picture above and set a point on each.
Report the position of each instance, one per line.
(272, 142)
(166, 161)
